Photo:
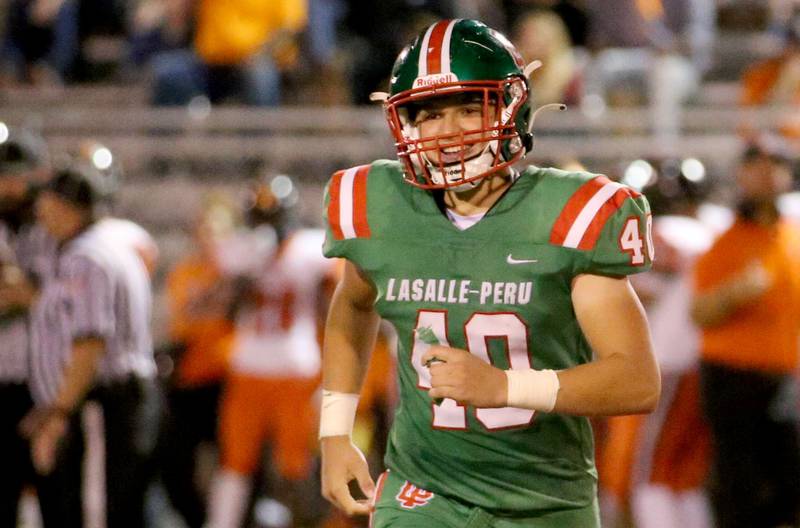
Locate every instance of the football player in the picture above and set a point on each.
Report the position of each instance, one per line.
(274, 357)
(507, 289)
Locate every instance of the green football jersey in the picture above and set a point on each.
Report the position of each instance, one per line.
(501, 290)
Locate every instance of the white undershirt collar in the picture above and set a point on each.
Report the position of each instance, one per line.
(463, 222)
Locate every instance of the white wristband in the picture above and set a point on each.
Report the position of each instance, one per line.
(338, 413)
(532, 389)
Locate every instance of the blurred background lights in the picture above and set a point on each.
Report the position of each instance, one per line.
(638, 174)
(102, 158)
(3, 132)
(593, 106)
(282, 186)
(693, 169)
(199, 108)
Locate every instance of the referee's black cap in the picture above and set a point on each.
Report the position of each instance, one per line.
(80, 184)
(21, 150)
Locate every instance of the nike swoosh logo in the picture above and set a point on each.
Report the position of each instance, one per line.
(512, 260)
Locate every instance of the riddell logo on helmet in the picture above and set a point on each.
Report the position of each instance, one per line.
(433, 80)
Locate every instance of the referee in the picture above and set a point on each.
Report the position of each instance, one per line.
(91, 338)
(23, 160)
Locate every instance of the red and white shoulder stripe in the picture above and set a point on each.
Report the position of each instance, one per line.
(347, 205)
(585, 214)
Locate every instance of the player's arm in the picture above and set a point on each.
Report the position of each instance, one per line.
(624, 377)
(715, 305)
(52, 422)
(350, 334)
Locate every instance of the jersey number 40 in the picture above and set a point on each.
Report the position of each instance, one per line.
(479, 329)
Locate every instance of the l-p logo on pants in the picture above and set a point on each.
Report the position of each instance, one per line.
(411, 496)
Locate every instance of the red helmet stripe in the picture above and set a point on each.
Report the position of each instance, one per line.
(445, 56)
(360, 223)
(334, 190)
(435, 48)
(582, 209)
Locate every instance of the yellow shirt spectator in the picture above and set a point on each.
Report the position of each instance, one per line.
(231, 31)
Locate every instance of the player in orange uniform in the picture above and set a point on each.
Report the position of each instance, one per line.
(657, 465)
(199, 327)
(275, 356)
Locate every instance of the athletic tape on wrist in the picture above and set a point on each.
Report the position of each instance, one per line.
(338, 413)
(532, 389)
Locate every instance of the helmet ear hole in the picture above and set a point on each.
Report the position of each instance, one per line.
(527, 141)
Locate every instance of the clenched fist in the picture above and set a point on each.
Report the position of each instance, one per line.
(465, 378)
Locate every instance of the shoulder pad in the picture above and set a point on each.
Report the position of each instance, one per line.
(586, 211)
(346, 209)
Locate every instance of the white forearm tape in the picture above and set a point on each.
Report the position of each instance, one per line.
(532, 389)
(338, 413)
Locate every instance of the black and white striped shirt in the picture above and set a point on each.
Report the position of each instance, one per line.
(32, 251)
(100, 289)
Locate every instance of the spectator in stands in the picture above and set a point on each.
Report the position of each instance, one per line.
(58, 41)
(42, 41)
(541, 35)
(653, 51)
(158, 26)
(198, 331)
(776, 80)
(571, 12)
(238, 52)
(377, 31)
(747, 302)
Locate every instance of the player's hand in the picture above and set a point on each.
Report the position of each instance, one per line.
(750, 284)
(342, 462)
(32, 422)
(465, 378)
(44, 444)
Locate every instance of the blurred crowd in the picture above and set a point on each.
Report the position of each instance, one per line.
(213, 424)
(338, 51)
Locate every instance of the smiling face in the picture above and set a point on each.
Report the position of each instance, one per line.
(470, 81)
(452, 129)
